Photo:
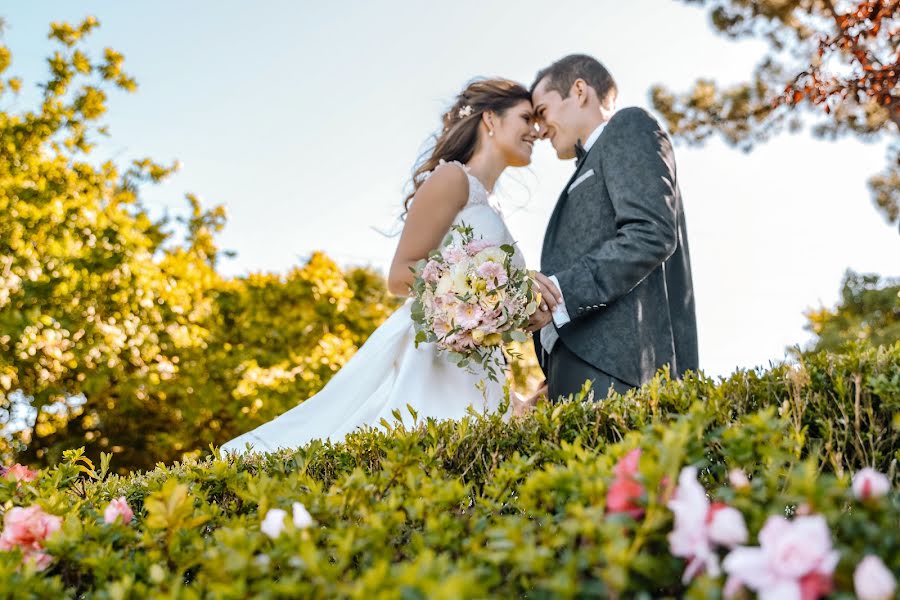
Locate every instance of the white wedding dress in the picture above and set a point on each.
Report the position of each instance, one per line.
(388, 371)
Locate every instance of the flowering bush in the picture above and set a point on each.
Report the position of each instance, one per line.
(470, 298)
(489, 508)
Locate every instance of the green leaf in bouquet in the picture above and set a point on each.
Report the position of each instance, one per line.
(518, 335)
(417, 268)
(532, 306)
(455, 357)
(417, 311)
(421, 337)
(508, 248)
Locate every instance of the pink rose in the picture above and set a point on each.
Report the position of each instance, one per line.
(118, 508)
(27, 528)
(626, 491)
(869, 483)
(872, 580)
(20, 473)
(794, 559)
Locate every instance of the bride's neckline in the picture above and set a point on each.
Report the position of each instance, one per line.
(468, 171)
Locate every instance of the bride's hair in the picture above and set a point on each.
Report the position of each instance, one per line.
(459, 135)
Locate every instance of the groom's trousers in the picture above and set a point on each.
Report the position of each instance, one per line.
(566, 374)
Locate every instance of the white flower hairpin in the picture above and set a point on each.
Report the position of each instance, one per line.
(465, 111)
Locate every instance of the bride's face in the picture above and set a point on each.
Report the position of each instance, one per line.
(514, 134)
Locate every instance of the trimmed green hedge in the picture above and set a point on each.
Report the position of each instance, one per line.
(486, 508)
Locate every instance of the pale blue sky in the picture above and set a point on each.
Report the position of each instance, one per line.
(304, 119)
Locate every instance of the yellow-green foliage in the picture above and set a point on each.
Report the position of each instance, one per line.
(482, 507)
(98, 299)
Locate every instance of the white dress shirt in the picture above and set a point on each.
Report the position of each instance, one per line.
(560, 315)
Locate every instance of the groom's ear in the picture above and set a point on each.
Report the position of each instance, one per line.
(580, 91)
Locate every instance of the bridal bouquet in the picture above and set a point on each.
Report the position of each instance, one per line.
(469, 299)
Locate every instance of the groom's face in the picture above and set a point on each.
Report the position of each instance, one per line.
(557, 118)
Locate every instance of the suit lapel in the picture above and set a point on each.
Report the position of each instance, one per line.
(563, 196)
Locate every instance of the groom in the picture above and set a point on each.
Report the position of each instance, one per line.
(616, 244)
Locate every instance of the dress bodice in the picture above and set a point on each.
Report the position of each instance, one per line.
(482, 213)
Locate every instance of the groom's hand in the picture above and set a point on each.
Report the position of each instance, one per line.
(550, 294)
(539, 320)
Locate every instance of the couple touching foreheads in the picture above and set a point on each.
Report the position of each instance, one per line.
(615, 273)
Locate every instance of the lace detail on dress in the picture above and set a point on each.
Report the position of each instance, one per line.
(478, 194)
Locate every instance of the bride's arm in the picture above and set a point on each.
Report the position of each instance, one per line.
(430, 215)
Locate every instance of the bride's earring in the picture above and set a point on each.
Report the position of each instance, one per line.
(490, 134)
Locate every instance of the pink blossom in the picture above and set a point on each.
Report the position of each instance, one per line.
(20, 473)
(441, 327)
(468, 316)
(869, 483)
(118, 508)
(625, 491)
(699, 526)
(794, 559)
(460, 341)
(431, 272)
(872, 580)
(493, 273)
(476, 246)
(628, 464)
(41, 560)
(689, 538)
(738, 479)
(732, 587)
(453, 254)
(725, 525)
(27, 528)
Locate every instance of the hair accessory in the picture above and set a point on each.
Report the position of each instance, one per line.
(465, 111)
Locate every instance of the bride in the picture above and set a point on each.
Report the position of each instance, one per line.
(489, 128)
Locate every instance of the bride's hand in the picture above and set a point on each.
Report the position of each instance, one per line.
(523, 405)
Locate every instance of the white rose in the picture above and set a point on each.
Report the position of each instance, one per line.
(872, 580)
(302, 518)
(445, 284)
(495, 254)
(273, 524)
(459, 279)
(727, 527)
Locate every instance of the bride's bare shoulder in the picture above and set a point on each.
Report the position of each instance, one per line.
(447, 183)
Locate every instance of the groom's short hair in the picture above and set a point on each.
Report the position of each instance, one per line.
(563, 73)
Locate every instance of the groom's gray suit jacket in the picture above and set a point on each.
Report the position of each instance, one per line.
(617, 243)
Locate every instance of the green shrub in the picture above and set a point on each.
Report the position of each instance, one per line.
(483, 507)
